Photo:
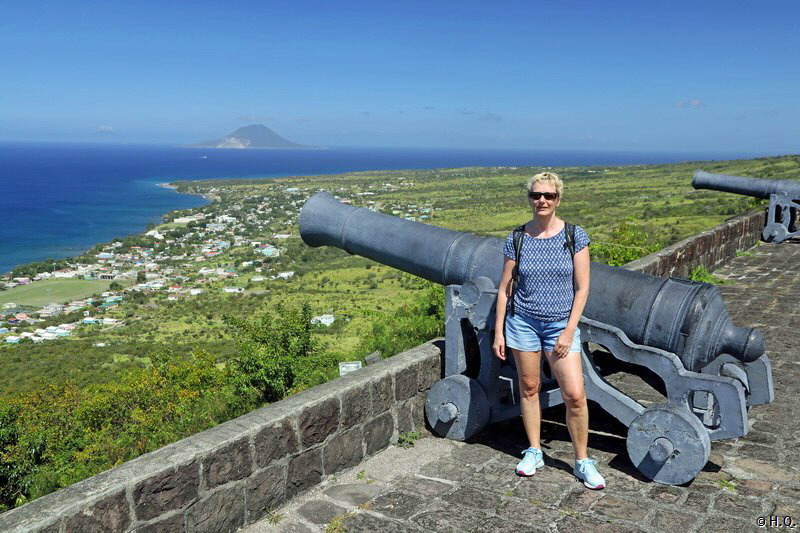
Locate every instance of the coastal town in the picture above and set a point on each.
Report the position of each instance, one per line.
(236, 245)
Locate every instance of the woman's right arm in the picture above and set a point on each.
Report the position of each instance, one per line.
(503, 293)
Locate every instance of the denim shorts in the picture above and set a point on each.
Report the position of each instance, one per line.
(527, 334)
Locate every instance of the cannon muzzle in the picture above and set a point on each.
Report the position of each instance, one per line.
(679, 316)
(758, 188)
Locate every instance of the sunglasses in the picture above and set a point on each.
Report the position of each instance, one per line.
(549, 196)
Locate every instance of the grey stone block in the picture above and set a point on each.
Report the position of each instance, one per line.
(228, 464)
(109, 514)
(169, 491)
(405, 383)
(430, 371)
(320, 512)
(382, 395)
(305, 471)
(355, 406)
(266, 491)
(353, 493)
(220, 512)
(172, 524)
(405, 418)
(378, 432)
(318, 421)
(275, 442)
(343, 450)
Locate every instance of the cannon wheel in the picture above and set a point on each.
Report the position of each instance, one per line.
(668, 444)
(457, 407)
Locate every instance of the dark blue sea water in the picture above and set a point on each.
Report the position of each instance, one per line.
(58, 200)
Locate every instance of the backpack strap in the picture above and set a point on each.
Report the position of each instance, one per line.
(569, 237)
(518, 235)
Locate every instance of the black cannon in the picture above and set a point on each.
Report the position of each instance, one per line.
(783, 196)
(712, 370)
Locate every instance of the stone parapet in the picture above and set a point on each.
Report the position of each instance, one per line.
(235, 473)
(710, 248)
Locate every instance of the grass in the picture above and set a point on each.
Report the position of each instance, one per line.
(53, 291)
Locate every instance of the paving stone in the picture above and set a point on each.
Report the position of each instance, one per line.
(471, 497)
(665, 493)
(753, 487)
(623, 509)
(320, 512)
(571, 524)
(397, 504)
(527, 512)
(499, 525)
(453, 519)
(475, 454)
(580, 500)
(353, 493)
(495, 477)
(425, 487)
(543, 493)
(669, 520)
(293, 527)
(729, 523)
(736, 504)
(444, 469)
(368, 523)
(756, 451)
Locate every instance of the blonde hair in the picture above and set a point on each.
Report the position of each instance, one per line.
(547, 177)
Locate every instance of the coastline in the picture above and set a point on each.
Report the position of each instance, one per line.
(71, 257)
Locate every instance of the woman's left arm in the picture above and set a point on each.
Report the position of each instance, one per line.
(580, 263)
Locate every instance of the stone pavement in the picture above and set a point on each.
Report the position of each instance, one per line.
(439, 485)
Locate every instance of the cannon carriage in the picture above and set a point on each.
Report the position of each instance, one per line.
(783, 196)
(712, 371)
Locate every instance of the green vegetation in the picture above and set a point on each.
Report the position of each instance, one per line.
(53, 291)
(408, 439)
(700, 273)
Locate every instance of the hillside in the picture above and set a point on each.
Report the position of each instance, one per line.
(252, 136)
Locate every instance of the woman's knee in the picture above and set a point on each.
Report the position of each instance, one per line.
(574, 397)
(530, 385)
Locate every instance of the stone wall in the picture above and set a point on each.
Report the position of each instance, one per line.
(710, 248)
(233, 474)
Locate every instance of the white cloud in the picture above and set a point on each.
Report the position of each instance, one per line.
(690, 102)
(491, 117)
(103, 128)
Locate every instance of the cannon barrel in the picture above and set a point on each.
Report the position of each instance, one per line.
(682, 317)
(758, 188)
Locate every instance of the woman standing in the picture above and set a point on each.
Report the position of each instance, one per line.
(541, 315)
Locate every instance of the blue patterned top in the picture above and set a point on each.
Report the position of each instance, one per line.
(545, 288)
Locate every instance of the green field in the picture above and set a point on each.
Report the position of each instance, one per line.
(53, 291)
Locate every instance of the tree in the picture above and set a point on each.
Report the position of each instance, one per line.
(141, 277)
(115, 286)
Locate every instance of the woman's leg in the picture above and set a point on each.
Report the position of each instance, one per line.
(528, 370)
(568, 372)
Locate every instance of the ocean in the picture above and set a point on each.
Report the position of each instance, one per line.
(58, 200)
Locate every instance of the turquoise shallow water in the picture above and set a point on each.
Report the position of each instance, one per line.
(58, 200)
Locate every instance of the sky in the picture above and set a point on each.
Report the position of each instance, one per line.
(567, 75)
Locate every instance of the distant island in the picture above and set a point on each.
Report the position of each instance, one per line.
(254, 136)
